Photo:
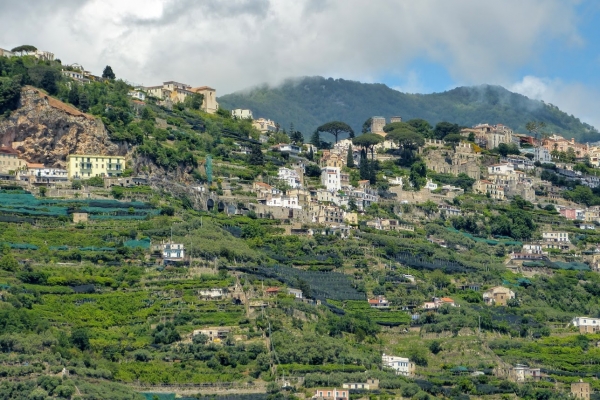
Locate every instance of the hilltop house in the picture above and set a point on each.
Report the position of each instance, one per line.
(331, 394)
(580, 390)
(173, 251)
(498, 295)
(587, 324)
(402, 365)
(177, 92)
(371, 384)
(379, 302)
(555, 236)
(10, 161)
(214, 334)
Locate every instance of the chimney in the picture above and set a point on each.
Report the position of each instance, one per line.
(572, 140)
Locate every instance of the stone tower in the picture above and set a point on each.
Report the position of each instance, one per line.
(377, 124)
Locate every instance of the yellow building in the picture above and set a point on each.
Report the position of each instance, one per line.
(85, 166)
(10, 161)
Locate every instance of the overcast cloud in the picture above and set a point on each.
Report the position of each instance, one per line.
(234, 44)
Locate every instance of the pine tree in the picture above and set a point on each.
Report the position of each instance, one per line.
(108, 73)
(256, 156)
(48, 82)
(74, 95)
(84, 102)
(311, 155)
(350, 158)
(316, 139)
(364, 169)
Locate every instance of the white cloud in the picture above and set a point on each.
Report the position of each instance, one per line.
(234, 44)
(572, 98)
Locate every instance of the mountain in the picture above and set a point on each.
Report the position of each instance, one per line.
(311, 101)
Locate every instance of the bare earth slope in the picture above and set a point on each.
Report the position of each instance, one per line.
(46, 130)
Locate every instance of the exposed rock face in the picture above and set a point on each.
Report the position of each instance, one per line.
(46, 130)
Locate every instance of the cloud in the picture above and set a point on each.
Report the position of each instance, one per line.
(573, 98)
(239, 43)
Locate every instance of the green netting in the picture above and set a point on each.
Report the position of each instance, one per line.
(24, 203)
(577, 266)
(92, 248)
(143, 243)
(20, 246)
(533, 264)
(491, 242)
(59, 247)
(159, 396)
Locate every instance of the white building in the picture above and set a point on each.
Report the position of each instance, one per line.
(240, 113)
(331, 179)
(430, 185)
(212, 293)
(290, 177)
(542, 155)
(38, 173)
(173, 251)
(532, 249)
(503, 168)
(284, 202)
(586, 324)
(291, 149)
(555, 236)
(402, 365)
(137, 94)
(297, 293)
(76, 75)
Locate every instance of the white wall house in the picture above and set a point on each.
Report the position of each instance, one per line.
(137, 94)
(173, 251)
(585, 321)
(284, 201)
(241, 113)
(542, 155)
(290, 177)
(555, 236)
(402, 365)
(331, 179)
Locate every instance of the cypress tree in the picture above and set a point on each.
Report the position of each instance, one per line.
(350, 158)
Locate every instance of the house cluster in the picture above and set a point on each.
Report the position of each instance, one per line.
(172, 92)
(437, 302)
(39, 54)
(491, 136)
(327, 205)
(462, 159)
(498, 295)
(504, 181)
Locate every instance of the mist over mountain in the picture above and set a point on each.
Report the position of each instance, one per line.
(311, 101)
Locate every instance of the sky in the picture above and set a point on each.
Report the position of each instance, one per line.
(545, 49)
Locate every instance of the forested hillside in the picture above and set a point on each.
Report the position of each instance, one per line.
(311, 101)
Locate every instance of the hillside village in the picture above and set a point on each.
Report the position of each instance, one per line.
(427, 261)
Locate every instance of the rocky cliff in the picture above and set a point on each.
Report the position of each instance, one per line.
(46, 130)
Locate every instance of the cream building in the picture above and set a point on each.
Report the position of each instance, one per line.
(177, 92)
(85, 166)
(10, 161)
(209, 104)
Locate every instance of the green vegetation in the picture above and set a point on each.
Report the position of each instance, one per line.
(311, 101)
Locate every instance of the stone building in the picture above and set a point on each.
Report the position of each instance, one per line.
(377, 124)
(580, 390)
(460, 160)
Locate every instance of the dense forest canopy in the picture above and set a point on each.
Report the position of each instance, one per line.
(311, 101)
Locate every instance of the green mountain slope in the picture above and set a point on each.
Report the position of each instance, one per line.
(310, 101)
